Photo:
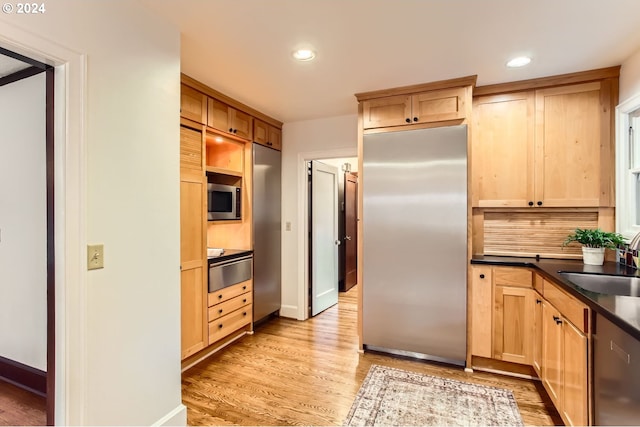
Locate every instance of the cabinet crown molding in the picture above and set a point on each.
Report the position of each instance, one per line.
(424, 87)
(543, 82)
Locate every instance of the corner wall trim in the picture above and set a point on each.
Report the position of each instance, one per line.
(23, 376)
(177, 417)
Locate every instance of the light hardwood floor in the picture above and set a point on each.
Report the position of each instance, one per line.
(308, 373)
(19, 407)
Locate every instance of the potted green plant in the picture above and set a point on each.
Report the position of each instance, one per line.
(594, 242)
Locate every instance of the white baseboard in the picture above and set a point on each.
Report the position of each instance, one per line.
(177, 417)
(290, 311)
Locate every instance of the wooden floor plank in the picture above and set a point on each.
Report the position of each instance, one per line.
(19, 407)
(308, 373)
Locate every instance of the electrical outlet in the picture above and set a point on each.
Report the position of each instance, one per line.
(95, 257)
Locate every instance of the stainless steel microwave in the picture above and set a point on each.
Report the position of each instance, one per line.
(223, 202)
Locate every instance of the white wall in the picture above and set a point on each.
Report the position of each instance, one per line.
(130, 348)
(305, 140)
(339, 161)
(630, 77)
(23, 222)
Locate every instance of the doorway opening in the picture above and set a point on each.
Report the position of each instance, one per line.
(331, 236)
(27, 250)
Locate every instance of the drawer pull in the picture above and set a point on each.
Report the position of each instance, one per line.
(244, 314)
(220, 296)
(220, 311)
(244, 300)
(220, 326)
(482, 276)
(244, 288)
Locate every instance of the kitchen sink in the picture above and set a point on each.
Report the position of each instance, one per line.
(605, 284)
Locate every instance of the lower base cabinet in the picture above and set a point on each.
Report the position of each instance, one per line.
(229, 309)
(529, 329)
(574, 367)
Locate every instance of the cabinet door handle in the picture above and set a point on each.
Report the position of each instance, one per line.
(408, 120)
(415, 119)
(482, 276)
(230, 129)
(538, 301)
(557, 319)
(539, 203)
(530, 203)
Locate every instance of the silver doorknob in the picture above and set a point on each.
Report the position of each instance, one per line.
(337, 242)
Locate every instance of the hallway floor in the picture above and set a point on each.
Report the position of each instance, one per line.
(19, 407)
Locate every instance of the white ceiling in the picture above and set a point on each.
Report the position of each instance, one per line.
(243, 47)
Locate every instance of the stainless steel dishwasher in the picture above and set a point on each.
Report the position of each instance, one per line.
(229, 272)
(616, 362)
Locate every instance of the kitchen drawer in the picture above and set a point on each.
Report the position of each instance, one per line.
(230, 323)
(224, 308)
(573, 310)
(226, 294)
(507, 276)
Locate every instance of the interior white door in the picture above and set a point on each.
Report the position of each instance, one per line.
(324, 236)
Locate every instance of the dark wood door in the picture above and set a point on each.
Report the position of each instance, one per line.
(351, 229)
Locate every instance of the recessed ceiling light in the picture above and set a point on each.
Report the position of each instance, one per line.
(304, 54)
(520, 61)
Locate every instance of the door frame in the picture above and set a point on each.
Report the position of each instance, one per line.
(303, 212)
(68, 307)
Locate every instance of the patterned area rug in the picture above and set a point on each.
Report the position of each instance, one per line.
(390, 396)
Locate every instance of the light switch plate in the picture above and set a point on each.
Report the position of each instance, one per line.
(95, 257)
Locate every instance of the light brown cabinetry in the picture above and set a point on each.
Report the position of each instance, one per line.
(230, 309)
(565, 354)
(513, 315)
(193, 104)
(193, 275)
(552, 352)
(481, 310)
(424, 107)
(267, 135)
(548, 147)
(513, 324)
(502, 156)
(537, 334)
(517, 316)
(224, 118)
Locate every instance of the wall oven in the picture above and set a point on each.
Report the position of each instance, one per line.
(223, 202)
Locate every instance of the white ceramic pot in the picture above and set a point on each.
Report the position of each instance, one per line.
(593, 256)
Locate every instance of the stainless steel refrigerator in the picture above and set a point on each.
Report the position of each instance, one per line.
(415, 243)
(266, 231)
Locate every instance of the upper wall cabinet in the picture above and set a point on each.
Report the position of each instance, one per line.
(547, 147)
(424, 107)
(267, 135)
(224, 118)
(193, 104)
(428, 104)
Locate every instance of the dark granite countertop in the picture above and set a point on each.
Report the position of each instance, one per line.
(623, 311)
(229, 254)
